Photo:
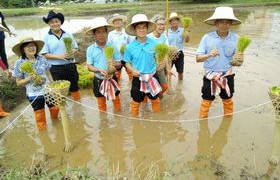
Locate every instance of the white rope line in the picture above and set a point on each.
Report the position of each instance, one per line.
(22, 112)
(168, 121)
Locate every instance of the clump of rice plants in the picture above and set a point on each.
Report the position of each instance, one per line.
(27, 68)
(161, 52)
(242, 43)
(68, 44)
(109, 52)
(85, 77)
(186, 22)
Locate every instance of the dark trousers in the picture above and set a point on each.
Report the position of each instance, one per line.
(206, 89)
(39, 103)
(179, 62)
(3, 53)
(66, 72)
(138, 95)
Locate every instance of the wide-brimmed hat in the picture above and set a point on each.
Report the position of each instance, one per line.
(2, 28)
(115, 17)
(52, 15)
(223, 13)
(97, 23)
(139, 18)
(16, 48)
(174, 15)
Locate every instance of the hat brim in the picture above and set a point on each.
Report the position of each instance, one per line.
(131, 31)
(108, 27)
(175, 17)
(211, 21)
(16, 48)
(58, 16)
(112, 19)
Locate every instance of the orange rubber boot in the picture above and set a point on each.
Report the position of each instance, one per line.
(40, 117)
(228, 107)
(204, 108)
(164, 88)
(156, 105)
(54, 112)
(135, 108)
(117, 103)
(76, 95)
(101, 101)
(3, 113)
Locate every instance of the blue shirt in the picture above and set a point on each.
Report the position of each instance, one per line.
(2, 35)
(117, 39)
(96, 57)
(226, 48)
(161, 40)
(55, 45)
(41, 65)
(141, 55)
(176, 38)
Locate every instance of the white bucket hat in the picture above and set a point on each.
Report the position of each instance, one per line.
(115, 17)
(174, 15)
(138, 18)
(223, 13)
(97, 23)
(2, 28)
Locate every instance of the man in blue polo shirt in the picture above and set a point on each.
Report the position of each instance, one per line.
(216, 50)
(140, 59)
(55, 51)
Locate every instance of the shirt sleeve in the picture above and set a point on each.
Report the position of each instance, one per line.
(202, 46)
(89, 55)
(17, 73)
(45, 63)
(45, 48)
(127, 55)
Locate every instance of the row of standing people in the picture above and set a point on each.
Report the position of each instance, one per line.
(138, 58)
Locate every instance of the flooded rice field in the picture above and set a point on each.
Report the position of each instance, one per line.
(175, 140)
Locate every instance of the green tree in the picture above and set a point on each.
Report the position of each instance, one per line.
(20, 3)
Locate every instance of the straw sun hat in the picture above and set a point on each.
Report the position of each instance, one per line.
(97, 23)
(223, 13)
(16, 48)
(174, 15)
(139, 18)
(115, 17)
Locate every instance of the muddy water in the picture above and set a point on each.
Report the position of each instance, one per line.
(220, 148)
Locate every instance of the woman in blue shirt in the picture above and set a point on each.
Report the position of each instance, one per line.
(28, 49)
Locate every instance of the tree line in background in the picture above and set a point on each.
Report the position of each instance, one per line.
(34, 3)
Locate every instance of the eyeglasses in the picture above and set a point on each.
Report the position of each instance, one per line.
(160, 24)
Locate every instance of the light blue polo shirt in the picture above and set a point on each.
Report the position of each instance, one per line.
(226, 48)
(176, 38)
(41, 65)
(55, 45)
(96, 57)
(141, 55)
(118, 39)
(161, 40)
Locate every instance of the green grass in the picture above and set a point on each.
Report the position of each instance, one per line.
(91, 9)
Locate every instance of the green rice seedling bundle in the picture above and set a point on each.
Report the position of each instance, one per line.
(186, 22)
(274, 94)
(109, 51)
(27, 68)
(242, 43)
(122, 49)
(85, 77)
(161, 52)
(61, 86)
(68, 43)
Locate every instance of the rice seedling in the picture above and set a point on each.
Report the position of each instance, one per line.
(186, 22)
(68, 44)
(122, 49)
(109, 52)
(161, 52)
(27, 68)
(85, 77)
(242, 43)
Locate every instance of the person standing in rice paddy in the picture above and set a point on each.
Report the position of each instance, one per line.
(104, 72)
(216, 50)
(5, 72)
(4, 28)
(55, 51)
(177, 38)
(139, 57)
(159, 35)
(119, 38)
(28, 50)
